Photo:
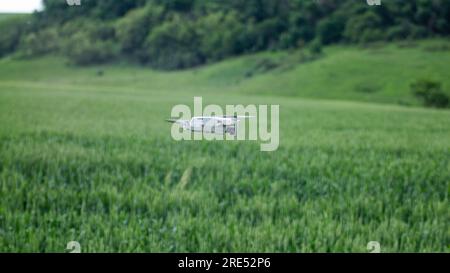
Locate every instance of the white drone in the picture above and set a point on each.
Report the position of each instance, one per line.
(212, 124)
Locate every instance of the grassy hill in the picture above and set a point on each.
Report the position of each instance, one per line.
(7, 16)
(379, 73)
(86, 156)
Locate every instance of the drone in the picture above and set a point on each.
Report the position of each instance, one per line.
(211, 124)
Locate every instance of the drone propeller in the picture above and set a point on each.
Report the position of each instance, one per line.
(236, 116)
(171, 120)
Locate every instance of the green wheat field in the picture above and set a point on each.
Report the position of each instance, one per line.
(85, 155)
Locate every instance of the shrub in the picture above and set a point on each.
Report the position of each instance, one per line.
(405, 30)
(173, 45)
(315, 47)
(82, 50)
(268, 32)
(219, 33)
(364, 28)
(133, 28)
(11, 31)
(86, 42)
(430, 92)
(40, 43)
(330, 30)
(367, 87)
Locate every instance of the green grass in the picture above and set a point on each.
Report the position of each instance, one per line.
(9, 16)
(89, 158)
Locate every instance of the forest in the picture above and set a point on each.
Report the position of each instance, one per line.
(178, 34)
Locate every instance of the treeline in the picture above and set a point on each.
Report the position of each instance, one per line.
(175, 34)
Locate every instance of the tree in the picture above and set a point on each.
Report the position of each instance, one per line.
(431, 93)
(330, 29)
(174, 44)
(40, 43)
(363, 28)
(12, 30)
(133, 28)
(219, 33)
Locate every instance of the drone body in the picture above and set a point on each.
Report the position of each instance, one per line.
(210, 124)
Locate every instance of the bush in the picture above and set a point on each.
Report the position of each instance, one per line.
(11, 31)
(173, 45)
(268, 32)
(315, 47)
(330, 29)
(364, 28)
(40, 43)
(133, 28)
(405, 30)
(430, 92)
(82, 50)
(87, 42)
(219, 34)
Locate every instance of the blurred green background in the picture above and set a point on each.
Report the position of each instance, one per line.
(364, 155)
